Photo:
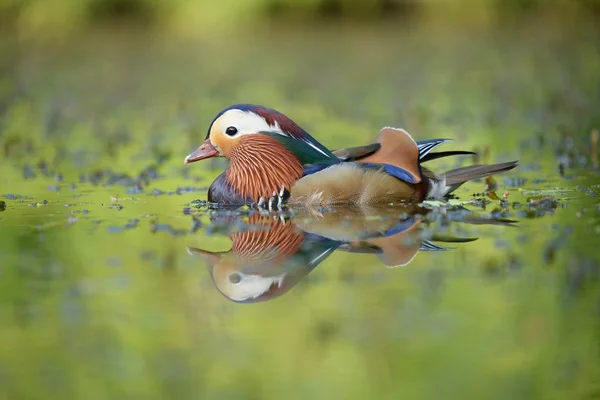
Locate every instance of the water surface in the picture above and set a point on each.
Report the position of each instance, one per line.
(114, 283)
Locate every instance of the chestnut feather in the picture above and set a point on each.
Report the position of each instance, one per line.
(260, 165)
(273, 117)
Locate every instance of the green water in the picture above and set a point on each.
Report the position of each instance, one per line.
(100, 298)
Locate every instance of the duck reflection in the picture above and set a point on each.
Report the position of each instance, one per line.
(270, 255)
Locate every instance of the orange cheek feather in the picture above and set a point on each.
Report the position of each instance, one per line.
(224, 144)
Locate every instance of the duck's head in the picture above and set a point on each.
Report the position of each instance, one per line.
(233, 125)
(267, 150)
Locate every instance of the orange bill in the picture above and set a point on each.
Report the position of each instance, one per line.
(207, 150)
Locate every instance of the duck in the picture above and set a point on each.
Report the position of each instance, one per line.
(274, 163)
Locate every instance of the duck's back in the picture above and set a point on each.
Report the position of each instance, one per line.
(350, 183)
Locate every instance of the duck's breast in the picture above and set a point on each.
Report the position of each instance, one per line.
(349, 183)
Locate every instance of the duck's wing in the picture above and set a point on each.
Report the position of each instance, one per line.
(356, 153)
(393, 170)
(393, 150)
(399, 155)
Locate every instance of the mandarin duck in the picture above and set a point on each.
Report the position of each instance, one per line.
(274, 161)
(268, 257)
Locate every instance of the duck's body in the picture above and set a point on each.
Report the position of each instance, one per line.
(351, 184)
(343, 183)
(274, 160)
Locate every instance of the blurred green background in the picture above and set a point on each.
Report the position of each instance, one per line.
(61, 17)
(100, 101)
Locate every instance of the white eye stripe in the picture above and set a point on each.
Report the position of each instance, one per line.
(245, 122)
(248, 122)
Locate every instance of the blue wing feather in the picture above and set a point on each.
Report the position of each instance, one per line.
(392, 170)
(313, 168)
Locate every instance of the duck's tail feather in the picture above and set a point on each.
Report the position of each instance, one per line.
(453, 179)
(444, 184)
(461, 175)
(356, 153)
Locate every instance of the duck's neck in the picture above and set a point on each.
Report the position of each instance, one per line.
(261, 166)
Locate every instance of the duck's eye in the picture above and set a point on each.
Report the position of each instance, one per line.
(235, 278)
(232, 130)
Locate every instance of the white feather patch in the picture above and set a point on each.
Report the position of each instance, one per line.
(438, 189)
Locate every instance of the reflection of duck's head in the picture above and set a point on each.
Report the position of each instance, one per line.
(236, 282)
(259, 265)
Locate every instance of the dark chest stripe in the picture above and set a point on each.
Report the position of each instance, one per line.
(222, 193)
